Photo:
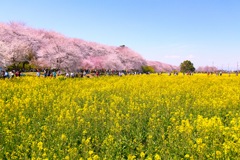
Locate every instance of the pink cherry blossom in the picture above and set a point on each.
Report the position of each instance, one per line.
(54, 50)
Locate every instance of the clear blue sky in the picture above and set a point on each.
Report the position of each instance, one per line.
(207, 32)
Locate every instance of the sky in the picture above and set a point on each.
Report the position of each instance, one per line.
(206, 32)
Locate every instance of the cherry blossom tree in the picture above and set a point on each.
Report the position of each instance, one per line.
(50, 49)
(206, 69)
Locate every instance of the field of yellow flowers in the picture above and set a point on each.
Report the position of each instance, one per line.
(131, 117)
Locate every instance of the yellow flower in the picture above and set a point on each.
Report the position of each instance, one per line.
(199, 141)
(157, 157)
(218, 154)
(40, 145)
(131, 157)
(63, 137)
(187, 156)
(96, 157)
(90, 152)
(142, 154)
(44, 155)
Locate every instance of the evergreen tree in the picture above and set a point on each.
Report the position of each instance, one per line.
(187, 66)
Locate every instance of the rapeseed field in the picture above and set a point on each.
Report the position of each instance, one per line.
(131, 117)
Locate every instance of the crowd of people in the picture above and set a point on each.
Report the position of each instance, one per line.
(84, 73)
(80, 73)
(87, 73)
(10, 74)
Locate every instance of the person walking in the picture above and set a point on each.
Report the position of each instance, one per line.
(38, 73)
(54, 74)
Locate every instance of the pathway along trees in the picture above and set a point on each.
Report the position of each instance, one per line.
(187, 66)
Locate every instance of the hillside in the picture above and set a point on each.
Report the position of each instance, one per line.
(50, 49)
